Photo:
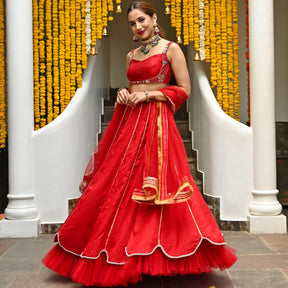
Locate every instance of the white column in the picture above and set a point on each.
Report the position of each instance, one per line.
(21, 213)
(265, 209)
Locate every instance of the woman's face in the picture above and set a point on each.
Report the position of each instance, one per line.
(141, 24)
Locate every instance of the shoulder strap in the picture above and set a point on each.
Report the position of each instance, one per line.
(131, 55)
(166, 47)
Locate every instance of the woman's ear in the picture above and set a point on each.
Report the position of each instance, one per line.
(154, 17)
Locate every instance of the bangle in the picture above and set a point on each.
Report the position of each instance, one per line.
(147, 96)
(120, 89)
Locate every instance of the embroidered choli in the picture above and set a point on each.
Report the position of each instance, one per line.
(155, 69)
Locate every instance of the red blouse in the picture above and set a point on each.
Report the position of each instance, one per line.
(155, 69)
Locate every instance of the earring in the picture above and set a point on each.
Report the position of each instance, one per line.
(135, 39)
(156, 29)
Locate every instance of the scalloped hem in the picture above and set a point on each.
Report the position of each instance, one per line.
(98, 272)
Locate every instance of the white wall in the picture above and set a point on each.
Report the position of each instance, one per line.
(61, 149)
(281, 59)
(224, 148)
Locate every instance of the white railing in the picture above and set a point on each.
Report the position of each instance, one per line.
(62, 148)
(223, 145)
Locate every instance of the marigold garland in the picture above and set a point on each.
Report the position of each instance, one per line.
(236, 59)
(247, 58)
(207, 30)
(190, 20)
(196, 24)
(212, 26)
(213, 44)
(185, 23)
(3, 75)
(178, 19)
(36, 71)
(66, 30)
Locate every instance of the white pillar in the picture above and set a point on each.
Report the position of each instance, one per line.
(265, 209)
(21, 213)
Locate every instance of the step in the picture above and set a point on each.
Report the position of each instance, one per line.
(181, 113)
(108, 114)
(183, 128)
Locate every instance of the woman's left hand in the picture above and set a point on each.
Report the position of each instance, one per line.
(136, 97)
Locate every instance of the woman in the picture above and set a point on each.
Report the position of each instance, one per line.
(141, 212)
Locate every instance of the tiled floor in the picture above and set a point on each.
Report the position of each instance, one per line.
(263, 262)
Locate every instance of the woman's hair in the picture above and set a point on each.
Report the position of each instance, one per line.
(146, 8)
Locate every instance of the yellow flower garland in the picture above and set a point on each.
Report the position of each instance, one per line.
(42, 63)
(224, 62)
(3, 132)
(190, 21)
(49, 60)
(207, 30)
(230, 58)
(212, 26)
(196, 24)
(236, 59)
(178, 20)
(56, 88)
(62, 50)
(173, 13)
(36, 65)
(60, 46)
(185, 23)
(213, 44)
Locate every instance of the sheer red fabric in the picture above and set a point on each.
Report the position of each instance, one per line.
(109, 239)
(121, 227)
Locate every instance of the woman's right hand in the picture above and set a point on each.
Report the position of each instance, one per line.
(122, 96)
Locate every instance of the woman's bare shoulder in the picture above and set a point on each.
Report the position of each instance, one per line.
(174, 50)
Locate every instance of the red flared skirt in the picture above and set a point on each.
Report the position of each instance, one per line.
(109, 239)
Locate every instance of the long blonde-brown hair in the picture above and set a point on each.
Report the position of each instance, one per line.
(146, 8)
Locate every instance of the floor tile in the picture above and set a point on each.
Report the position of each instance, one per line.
(272, 278)
(43, 280)
(19, 265)
(29, 249)
(5, 245)
(248, 245)
(6, 279)
(277, 242)
(261, 262)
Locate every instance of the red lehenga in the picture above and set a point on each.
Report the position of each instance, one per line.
(141, 212)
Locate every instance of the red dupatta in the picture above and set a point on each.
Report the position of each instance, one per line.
(161, 173)
(166, 175)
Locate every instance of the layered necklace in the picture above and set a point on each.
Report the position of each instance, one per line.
(146, 45)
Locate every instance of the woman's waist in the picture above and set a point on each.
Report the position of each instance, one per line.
(147, 87)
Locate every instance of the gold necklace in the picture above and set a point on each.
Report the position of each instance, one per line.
(146, 45)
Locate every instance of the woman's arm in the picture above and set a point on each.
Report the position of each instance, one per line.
(123, 93)
(179, 67)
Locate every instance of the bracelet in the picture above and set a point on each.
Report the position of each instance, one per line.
(147, 96)
(120, 89)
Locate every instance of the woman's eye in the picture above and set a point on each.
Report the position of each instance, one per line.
(141, 20)
(132, 24)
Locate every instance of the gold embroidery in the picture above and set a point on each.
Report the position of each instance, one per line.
(160, 159)
(160, 223)
(112, 225)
